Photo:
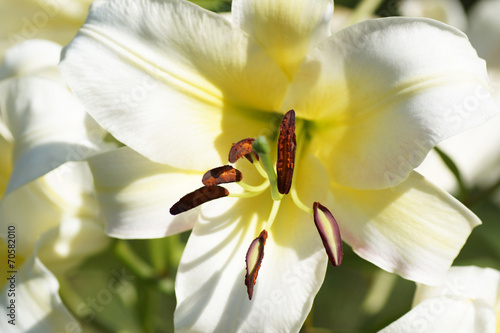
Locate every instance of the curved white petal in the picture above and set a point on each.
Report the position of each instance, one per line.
(135, 194)
(38, 305)
(390, 229)
(383, 92)
(172, 81)
(469, 282)
(29, 56)
(48, 126)
(484, 31)
(446, 315)
(450, 12)
(465, 302)
(286, 29)
(210, 290)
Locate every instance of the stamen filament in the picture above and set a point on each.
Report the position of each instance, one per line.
(262, 148)
(250, 188)
(298, 202)
(272, 215)
(259, 168)
(244, 195)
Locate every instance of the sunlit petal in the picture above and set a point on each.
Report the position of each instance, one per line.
(380, 100)
(210, 288)
(138, 76)
(390, 229)
(48, 126)
(135, 194)
(287, 30)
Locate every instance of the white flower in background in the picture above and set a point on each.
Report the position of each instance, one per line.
(55, 20)
(179, 85)
(451, 12)
(475, 152)
(47, 208)
(468, 301)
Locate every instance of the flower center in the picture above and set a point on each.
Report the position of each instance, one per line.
(280, 183)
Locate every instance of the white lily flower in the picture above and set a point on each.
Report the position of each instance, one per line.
(48, 215)
(55, 20)
(468, 301)
(448, 11)
(179, 85)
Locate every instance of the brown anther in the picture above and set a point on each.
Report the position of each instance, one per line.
(329, 232)
(242, 148)
(198, 197)
(221, 175)
(253, 260)
(287, 145)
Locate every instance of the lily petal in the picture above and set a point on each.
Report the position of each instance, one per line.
(29, 56)
(465, 302)
(451, 12)
(380, 100)
(48, 126)
(151, 84)
(286, 29)
(448, 315)
(484, 31)
(38, 298)
(465, 282)
(135, 194)
(390, 229)
(210, 290)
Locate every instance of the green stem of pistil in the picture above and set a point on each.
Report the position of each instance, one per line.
(261, 146)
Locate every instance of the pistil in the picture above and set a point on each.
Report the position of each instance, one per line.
(262, 148)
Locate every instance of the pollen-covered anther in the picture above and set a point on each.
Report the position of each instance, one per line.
(329, 231)
(221, 175)
(242, 148)
(200, 196)
(287, 145)
(253, 260)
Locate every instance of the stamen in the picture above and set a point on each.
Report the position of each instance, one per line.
(329, 231)
(287, 144)
(221, 175)
(240, 149)
(254, 257)
(198, 197)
